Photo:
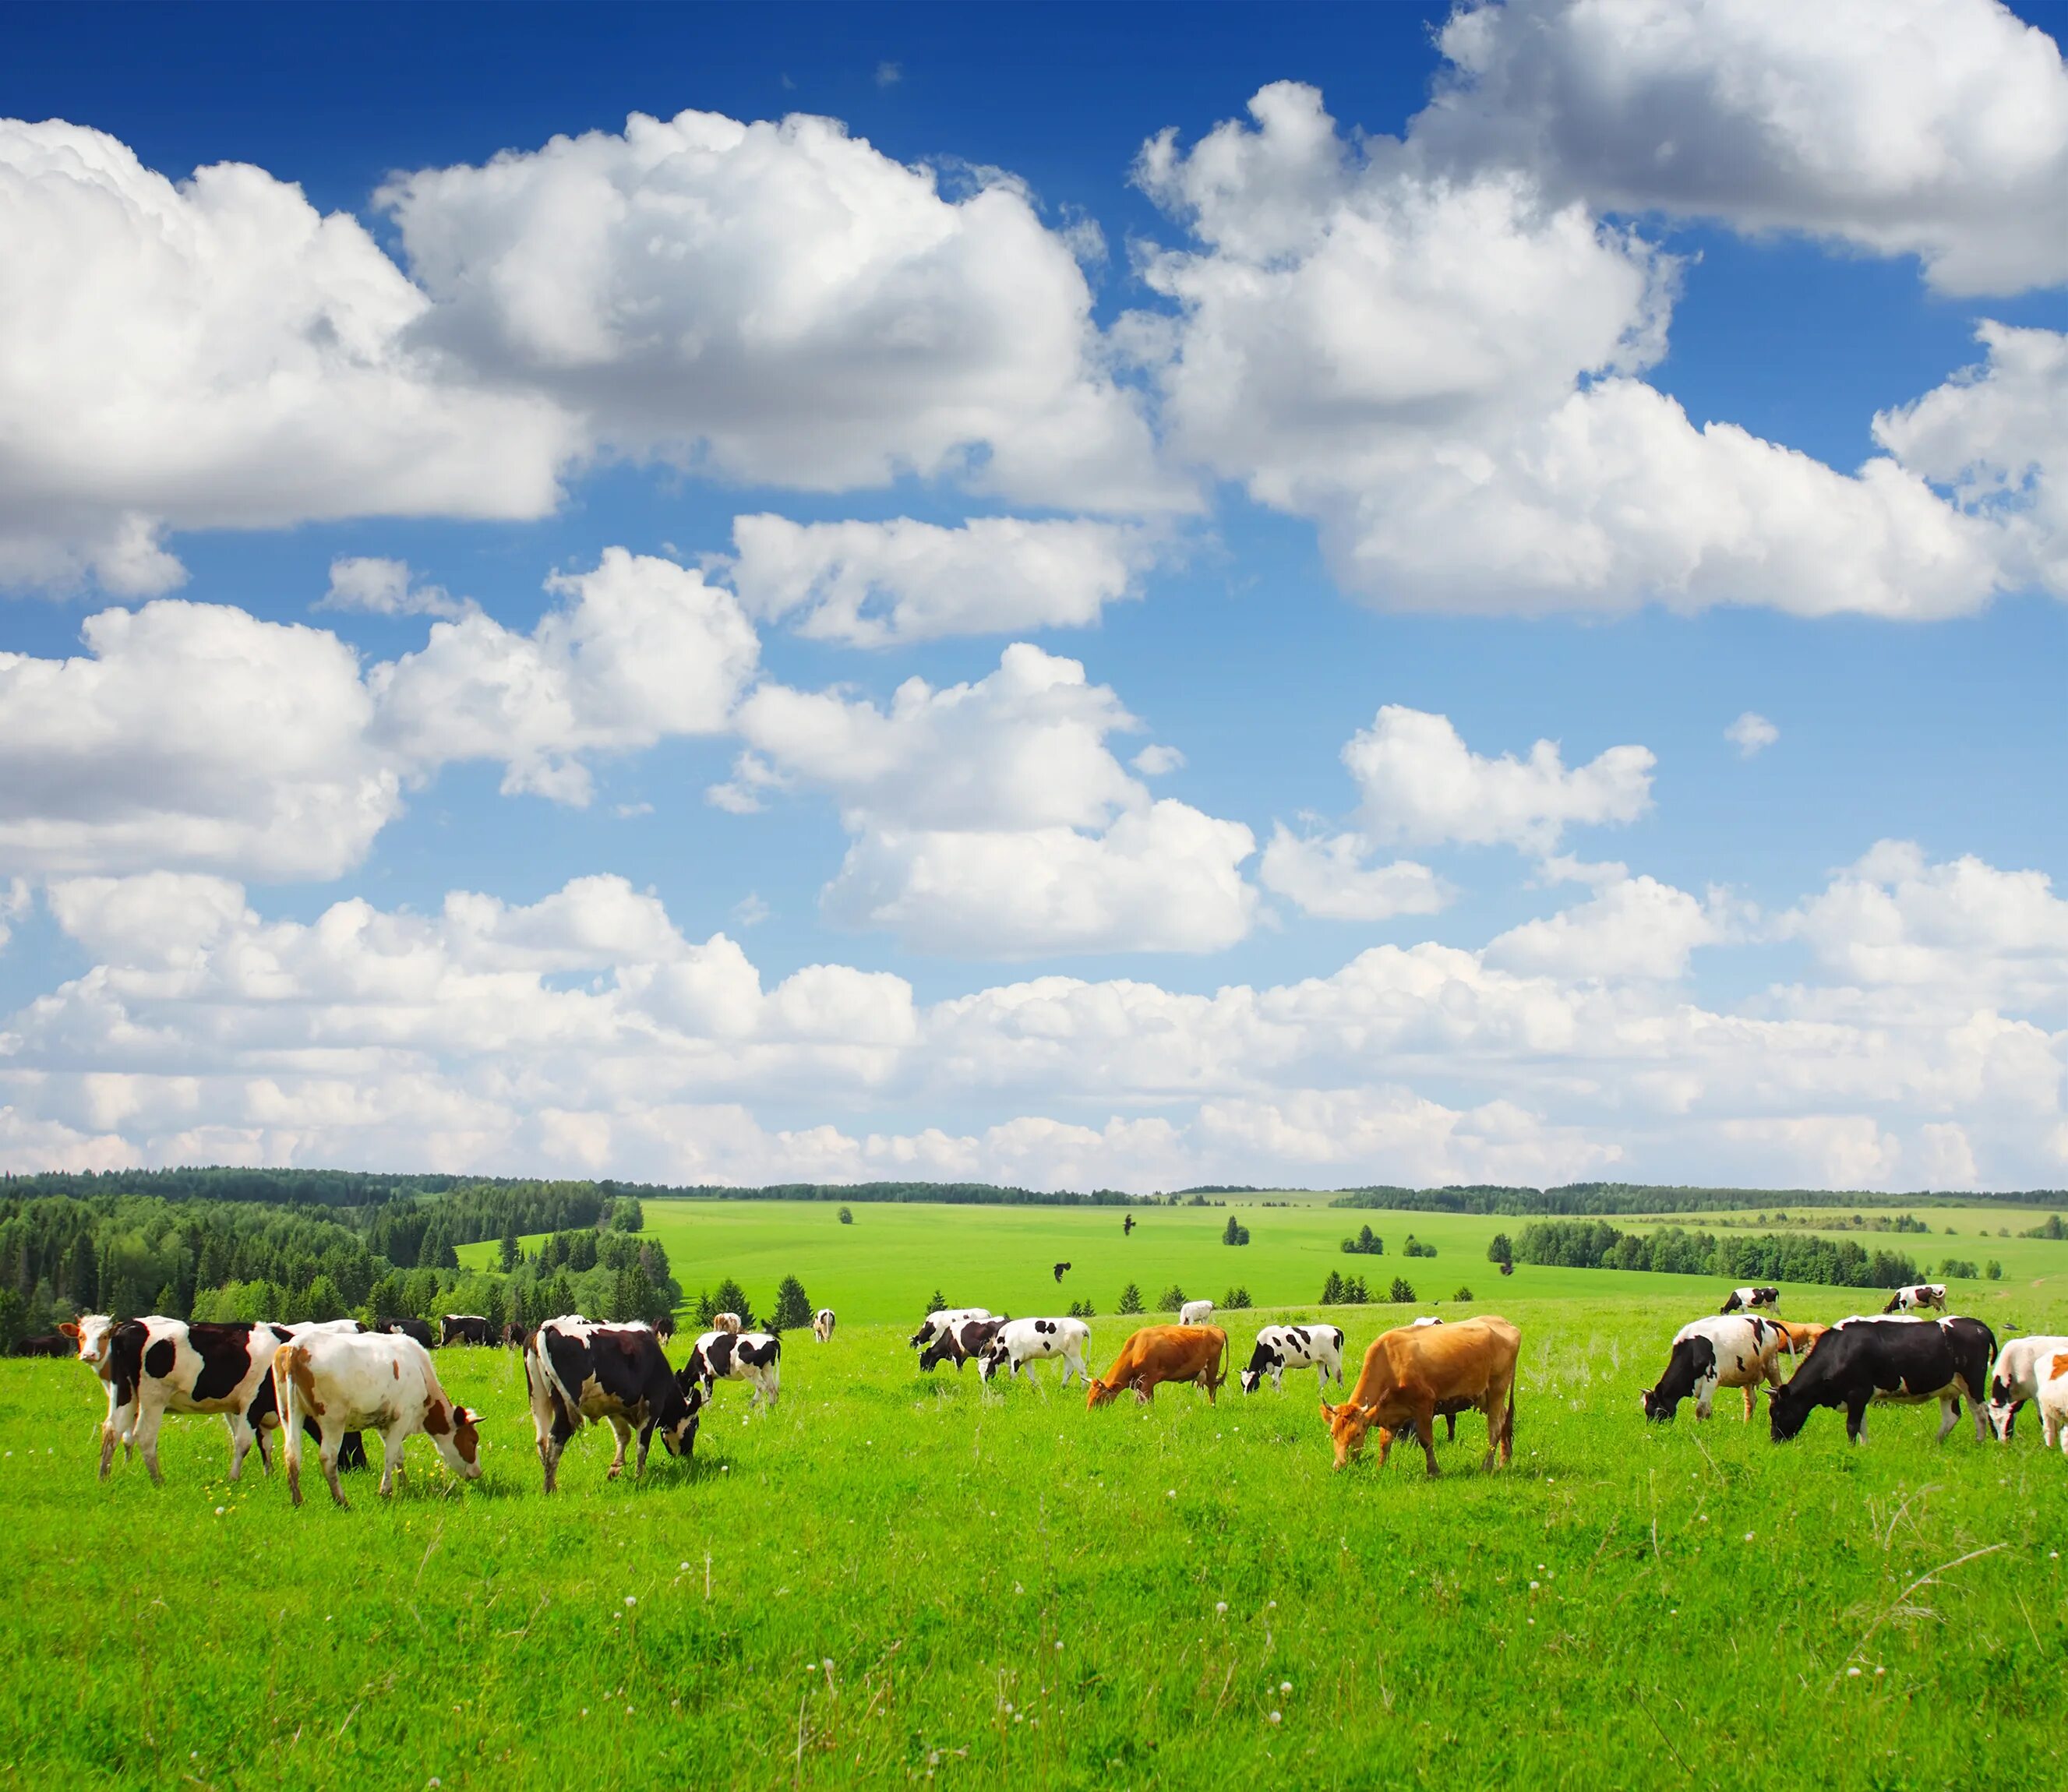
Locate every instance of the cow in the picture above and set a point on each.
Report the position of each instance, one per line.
(1319, 1348)
(464, 1328)
(1024, 1341)
(511, 1335)
(263, 1413)
(1745, 1300)
(2053, 1403)
(575, 1372)
(1159, 1353)
(341, 1383)
(1410, 1372)
(664, 1327)
(50, 1344)
(754, 1358)
(1801, 1336)
(93, 1332)
(1917, 1297)
(417, 1329)
(1727, 1351)
(1195, 1313)
(959, 1342)
(157, 1366)
(939, 1321)
(1426, 1319)
(823, 1323)
(1059, 1268)
(1860, 1362)
(2020, 1368)
(727, 1322)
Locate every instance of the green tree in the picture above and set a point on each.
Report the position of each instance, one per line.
(1236, 1298)
(1402, 1292)
(1332, 1289)
(847, 1215)
(1462, 1294)
(1235, 1232)
(1083, 1310)
(1130, 1300)
(792, 1309)
(731, 1297)
(509, 1254)
(1171, 1300)
(626, 1215)
(1500, 1251)
(937, 1303)
(13, 1320)
(320, 1300)
(1993, 1270)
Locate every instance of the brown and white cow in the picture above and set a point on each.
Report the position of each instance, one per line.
(725, 1322)
(823, 1323)
(1410, 1372)
(1159, 1353)
(341, 1382)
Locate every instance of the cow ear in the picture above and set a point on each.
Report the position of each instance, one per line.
(1328, 1413)
(69, 1329)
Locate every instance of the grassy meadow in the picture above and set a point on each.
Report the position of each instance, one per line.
(899, 1579)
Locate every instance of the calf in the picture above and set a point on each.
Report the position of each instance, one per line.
(1917, 1298)
(939, 1321)
(754, 1358)
(465, 1328)
(957, 1343)
(1728, 1350)
(822, 1324)
(1861, 1363)
(1409, 1373)
(50, 1344)
(1159, 1353)
(1024, 1341)
(664, 1327)
(1744, 1300)
(1319, 1348)
(576, 1373)
(2021, 1366)
(341, 1383)
(1195, 1313)
(409, 1328)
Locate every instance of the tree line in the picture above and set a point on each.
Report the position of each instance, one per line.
(1581, 1199)
(1672, 1250)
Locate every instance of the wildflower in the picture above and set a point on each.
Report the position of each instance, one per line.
(1274, 1717)
(218, 1512)
(1220, 1606)
(1284, 1687)
(1852, 1673)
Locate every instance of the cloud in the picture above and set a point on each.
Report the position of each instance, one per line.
(1157, 761)
(217, 354)
(991, 819)
(780, 302)
(1940, 132)
(1632, 928)
(1752, 734)
(1327, 879)
(383, 588)
(1441, 370)
(1421, 785)
(872, 585)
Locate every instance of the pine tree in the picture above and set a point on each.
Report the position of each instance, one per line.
(1332, 1289)
(1130, 1300)
(1171, 1300)
(509, 1254)
(1403, 1294)
(731, 1297)
(937, 1302)
(792, 1309)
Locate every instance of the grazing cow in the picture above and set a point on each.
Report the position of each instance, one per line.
(725, 1322)
(1059, 1268)
(1411, 1372)
(1727, 1351)
(2020, 1368)
(754, 1358)
(823, 1323)
(51, 1344)
(263, 1413)
(341, 1383)
(576, 1373)
(1745, 1300)
(1917, 1298)
(939, 1321)
(1159, 1353)
(1319, 1348)
(1024, 1341)
(417, 1329)
(2053, 1404)
(664, 1327)
(962, 1341)
(157, 1366)
(1195, 1313)
(464, 1328)
(1801, 1336)
(1861, 1363)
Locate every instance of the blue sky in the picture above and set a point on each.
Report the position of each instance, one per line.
(1531, 480)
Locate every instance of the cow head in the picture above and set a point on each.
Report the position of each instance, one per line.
(989, 1359)
(1787, 1408)
(2004, 1402)
(451, 1428)
(90, 1334)
(1347, 1425)
(677, 1426)
(1098, 1393)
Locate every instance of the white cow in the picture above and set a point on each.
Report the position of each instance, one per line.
(1025, 1341)
(1279, 1348)
(2053, 1404)
(939, 1320)
(1427, 1320)
(754, 1358)
(1195, 1313)
(822, 1324)
(373, 1381)
(2022, 1367)
(1917, 1295)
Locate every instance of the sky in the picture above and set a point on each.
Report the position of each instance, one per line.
(1341, 595)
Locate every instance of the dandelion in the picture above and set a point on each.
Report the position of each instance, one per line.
(1284, 1688)
(1533, 1587)
(684, 1566)
(219, 1511)
(1747, 1537)
(1172, 1494)
(1058, 1648)
(1881, 1670)
(1220, 1606)
(1852, 1673)
(1275, 1716)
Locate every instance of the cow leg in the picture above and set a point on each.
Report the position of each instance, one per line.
(147, 1440)
(1949, 1416)
(624, 1437)
(1981, 1424)
(1856, 1420)
(391, 1463)
(1451, 1428)
(645, 1438)
(258, 1442)
(241, 1438)
(326, 1459)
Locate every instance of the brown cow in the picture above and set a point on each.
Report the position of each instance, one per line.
(1800, 1337)
(1411, 1372)
(1158, 1354)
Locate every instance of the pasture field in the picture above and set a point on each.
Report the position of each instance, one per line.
(897, 1579)
(882, 1268)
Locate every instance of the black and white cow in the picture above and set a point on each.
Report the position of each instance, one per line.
(465, 1328)
(754, 1358)
(1279, 1348)
(417, 1329)
(939, 1321)
(1746, 1300)
(1917, 1298)
(159, 1365)
(575, 1372)
(1018, 1341)
(958, 1342)
(823, 1323)
(1860, 1362)
(2021, 1369)
(1725, 1350)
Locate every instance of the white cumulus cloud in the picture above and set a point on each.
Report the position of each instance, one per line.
(1752, 734)
(1328, 878)
(383, 588)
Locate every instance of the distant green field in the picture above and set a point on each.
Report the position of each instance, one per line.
(883, 1268)
(897, 1579)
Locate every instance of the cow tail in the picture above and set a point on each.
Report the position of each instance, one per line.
(283, 1383)
(550, 1370)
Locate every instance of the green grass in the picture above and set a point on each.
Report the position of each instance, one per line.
(1699, 1595)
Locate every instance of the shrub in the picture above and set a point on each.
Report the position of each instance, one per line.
(1994, 1271)
(1171, 1300)
(1415, 1248)
(1958, 1268)
(847, 1216)
(792, 1309)
(1462, 1294)
(1403, 1294)
(1083, 1310)
(1367, 1243)
(1237, 1232)
(1236, 1298)
(1130, 1300)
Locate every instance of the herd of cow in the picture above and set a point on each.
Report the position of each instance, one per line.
(333, 1381)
